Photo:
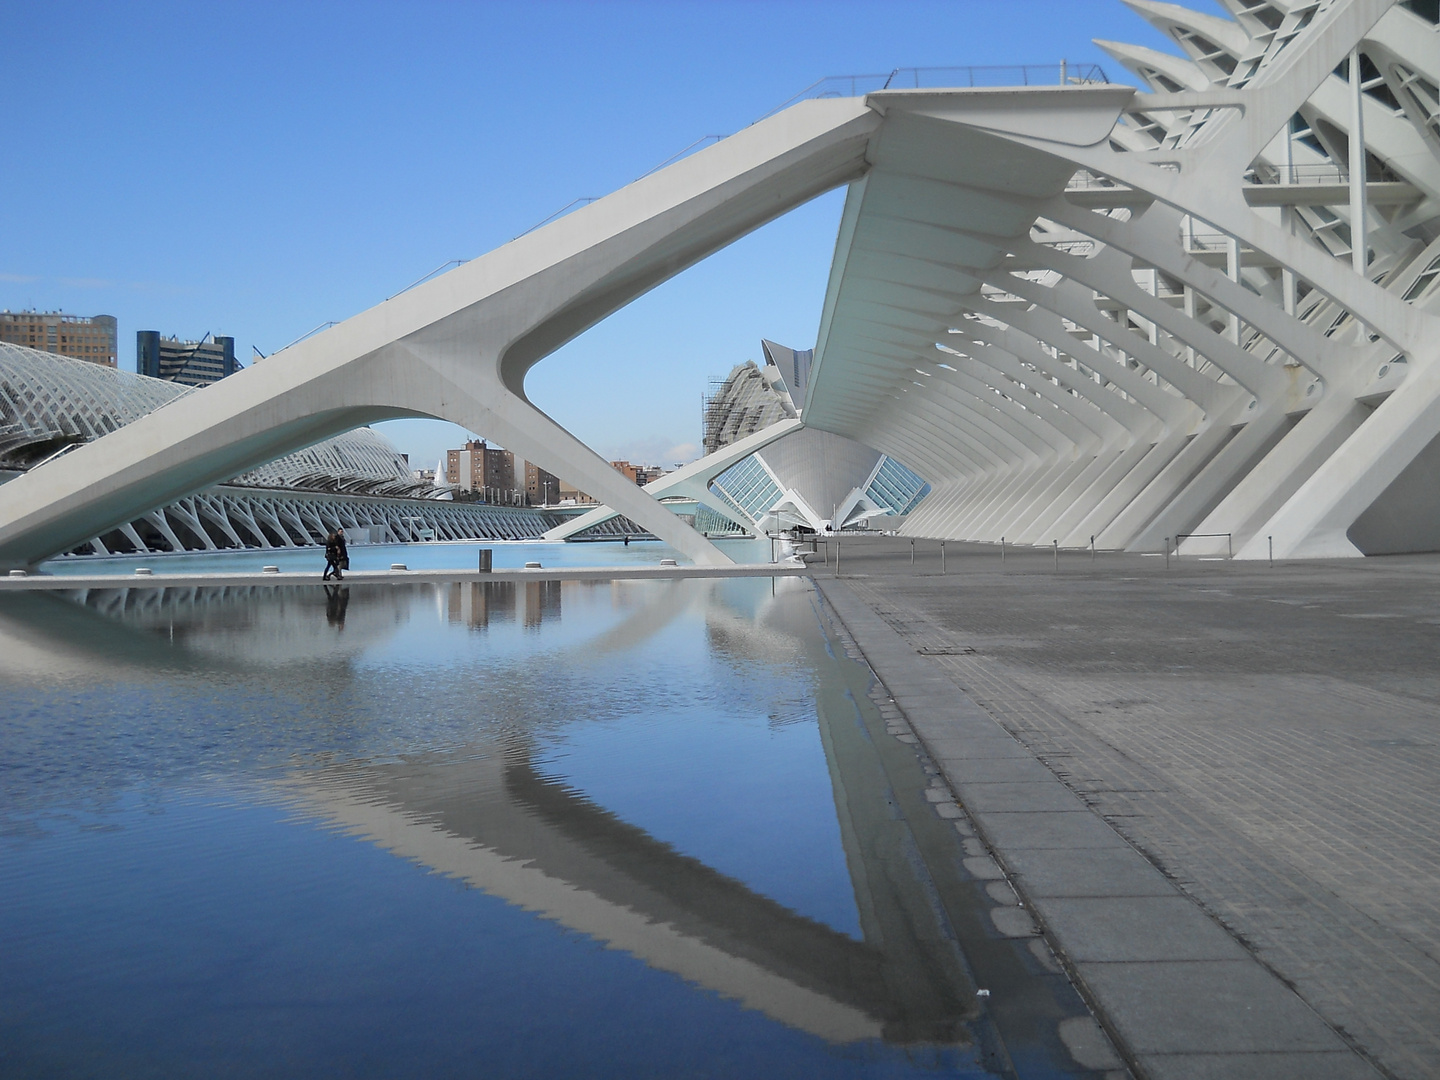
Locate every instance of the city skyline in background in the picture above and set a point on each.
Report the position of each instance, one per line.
(268, 170)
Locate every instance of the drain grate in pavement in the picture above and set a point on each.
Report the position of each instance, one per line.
(945, 650)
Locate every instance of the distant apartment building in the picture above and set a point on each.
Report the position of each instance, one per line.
(541, 488)
(188, 363)
(80, 337)
(638, 474)
(486, 470)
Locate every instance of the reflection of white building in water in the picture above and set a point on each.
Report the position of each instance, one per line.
(355, 481)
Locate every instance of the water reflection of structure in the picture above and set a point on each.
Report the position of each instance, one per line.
(492, 818)
(489, 814)
(476, 603)
(221, 626)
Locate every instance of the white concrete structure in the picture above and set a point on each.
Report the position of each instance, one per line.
(764, 471)
(689, 481)
(1074, 327)
(356, 481)
(456, 347)
(1076, 310)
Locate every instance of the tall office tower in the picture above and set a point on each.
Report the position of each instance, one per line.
(189, 363)
(83, 338)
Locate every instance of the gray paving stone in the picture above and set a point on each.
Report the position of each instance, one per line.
(1013, 921)
(1009, 831)
(1088, 1044)
(949, 747)
(983, 867)
(1002, 893)
(1136, 942)
(1205, 1006)
(1045, 795)
(1273, 755)
(1126, 928)
(1116, 871)
(996, 770)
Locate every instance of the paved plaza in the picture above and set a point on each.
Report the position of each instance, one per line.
(1265, 741)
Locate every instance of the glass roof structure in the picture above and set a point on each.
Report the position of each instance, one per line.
(49, 404)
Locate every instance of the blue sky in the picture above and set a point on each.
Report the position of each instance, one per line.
(256, 169)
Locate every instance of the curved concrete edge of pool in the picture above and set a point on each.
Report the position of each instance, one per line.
(391, 577)
(1180, 996)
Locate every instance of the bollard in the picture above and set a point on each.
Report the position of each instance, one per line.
(942, 556)
(837, 554)
(1271, 541)
(912, 553)
(1092, 549)
(1002, 549)
(485, 560)
(1056, 544)
(1167, 553)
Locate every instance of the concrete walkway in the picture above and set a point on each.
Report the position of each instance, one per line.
(1216, 786)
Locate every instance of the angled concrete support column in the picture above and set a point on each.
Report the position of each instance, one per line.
(457, 347)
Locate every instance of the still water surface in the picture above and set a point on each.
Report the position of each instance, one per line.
(442, 555)
(582, 829)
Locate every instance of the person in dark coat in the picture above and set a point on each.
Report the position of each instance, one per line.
(332, 556)
(343, 562)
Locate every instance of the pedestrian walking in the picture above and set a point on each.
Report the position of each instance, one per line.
(343, 562)
(332, 557)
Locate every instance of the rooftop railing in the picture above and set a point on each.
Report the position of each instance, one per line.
(1064, 73)
(1329, 173)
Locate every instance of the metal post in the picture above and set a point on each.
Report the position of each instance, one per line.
(837, 554)
(1167, 553)
(1359, 242)
(1056, 544)
(942, 556)
(1271, 541)
(912, 554)
(1092, 549)
(1288, 218)
(1230, 545)
(1002, 549)
(1232, 271)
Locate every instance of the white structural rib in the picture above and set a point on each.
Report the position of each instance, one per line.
(457, 347)
(1082, 330)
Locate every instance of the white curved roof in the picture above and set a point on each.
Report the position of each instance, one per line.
(49, 402)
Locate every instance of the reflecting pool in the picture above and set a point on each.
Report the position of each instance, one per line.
(629, 829)
(434, 555)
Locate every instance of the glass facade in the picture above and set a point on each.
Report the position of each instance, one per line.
(750, 486)
(897, 487)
